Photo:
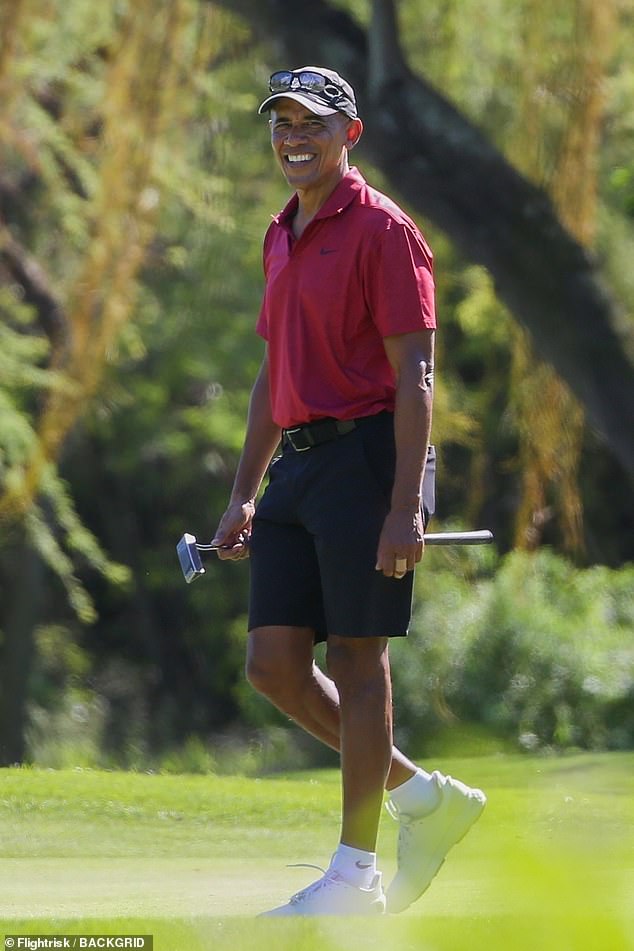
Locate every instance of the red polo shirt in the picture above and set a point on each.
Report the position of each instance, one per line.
(361, 271)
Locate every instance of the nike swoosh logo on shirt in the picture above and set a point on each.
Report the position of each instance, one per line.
(359, 865)
(329, 250)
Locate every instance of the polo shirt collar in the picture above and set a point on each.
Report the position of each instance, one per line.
(345, 193)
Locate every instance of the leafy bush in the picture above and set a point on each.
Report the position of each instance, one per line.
(526, 651)
(540, 654)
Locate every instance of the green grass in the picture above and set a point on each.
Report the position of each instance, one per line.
(192, 859)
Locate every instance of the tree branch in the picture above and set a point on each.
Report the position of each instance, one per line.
(28, 273)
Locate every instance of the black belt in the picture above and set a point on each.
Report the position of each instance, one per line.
(309, 435)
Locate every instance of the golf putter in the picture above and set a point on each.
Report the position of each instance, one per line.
(189, 550)
(189, 558)
(188, 554)
(481, 537)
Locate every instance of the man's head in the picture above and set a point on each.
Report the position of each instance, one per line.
(314, 123)
(321, 90)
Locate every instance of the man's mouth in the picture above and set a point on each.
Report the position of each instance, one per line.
(299, 159)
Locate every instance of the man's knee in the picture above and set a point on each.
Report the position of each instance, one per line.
(283, 687)
(353, 662)
(260, 676)
(265, 676)
(277, 665)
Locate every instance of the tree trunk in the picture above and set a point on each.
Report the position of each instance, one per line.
(21, 611)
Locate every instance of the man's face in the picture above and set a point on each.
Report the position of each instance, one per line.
(310, 149)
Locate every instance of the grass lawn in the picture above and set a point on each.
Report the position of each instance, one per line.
(192, 859)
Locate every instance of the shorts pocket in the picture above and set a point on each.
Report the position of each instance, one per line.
(379, 453)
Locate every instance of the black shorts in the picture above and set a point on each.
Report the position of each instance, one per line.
(315, 537)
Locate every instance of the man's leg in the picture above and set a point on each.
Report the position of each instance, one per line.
(280, 666)
(361, 672)
(435, 811)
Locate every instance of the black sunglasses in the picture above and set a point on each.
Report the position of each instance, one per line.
(285, 80)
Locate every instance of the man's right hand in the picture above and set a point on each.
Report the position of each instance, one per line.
(234, 531)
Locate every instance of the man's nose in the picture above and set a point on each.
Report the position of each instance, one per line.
(294, 135)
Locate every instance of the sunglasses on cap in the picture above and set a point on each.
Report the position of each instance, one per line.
(323, 90)
(285, 80)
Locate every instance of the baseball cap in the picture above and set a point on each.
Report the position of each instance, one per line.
(321, 90)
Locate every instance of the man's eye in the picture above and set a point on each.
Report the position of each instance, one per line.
(306, 128)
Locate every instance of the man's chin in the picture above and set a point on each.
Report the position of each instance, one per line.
(304, 174)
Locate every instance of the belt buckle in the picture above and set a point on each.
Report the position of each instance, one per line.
(289, 436)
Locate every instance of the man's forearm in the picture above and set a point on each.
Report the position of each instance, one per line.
(412, 429)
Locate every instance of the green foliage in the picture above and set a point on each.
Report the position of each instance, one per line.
(21, 374)
(67, 717)
(51, 524)
(525, 652)
(80, 543)
(192, 757)
(539, 654)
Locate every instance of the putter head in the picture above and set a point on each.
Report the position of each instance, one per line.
(189, 558)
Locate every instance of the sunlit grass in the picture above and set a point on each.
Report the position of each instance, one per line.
(193, 859)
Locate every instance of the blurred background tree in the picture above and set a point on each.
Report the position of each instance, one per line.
(135, 187)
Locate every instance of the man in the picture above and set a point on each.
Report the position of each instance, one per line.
(346, 382)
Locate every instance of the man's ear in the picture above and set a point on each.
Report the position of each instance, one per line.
(354, 132)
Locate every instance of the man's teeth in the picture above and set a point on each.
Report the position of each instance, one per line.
(299, 158)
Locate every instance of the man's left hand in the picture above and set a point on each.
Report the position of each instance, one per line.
(401, 543)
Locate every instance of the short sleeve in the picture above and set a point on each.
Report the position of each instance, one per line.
(398, 280)
(262, 324)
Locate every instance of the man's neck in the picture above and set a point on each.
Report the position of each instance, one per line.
(311, 201)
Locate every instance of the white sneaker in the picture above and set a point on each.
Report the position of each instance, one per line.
(332, 895)
(423, 842)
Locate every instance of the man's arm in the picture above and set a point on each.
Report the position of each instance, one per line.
(412, 358)
(261, 439)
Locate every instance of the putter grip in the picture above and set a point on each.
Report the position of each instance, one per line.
(483, 537)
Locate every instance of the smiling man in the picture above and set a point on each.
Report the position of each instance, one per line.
(346, 383)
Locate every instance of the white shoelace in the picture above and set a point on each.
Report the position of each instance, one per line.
(327, 878)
